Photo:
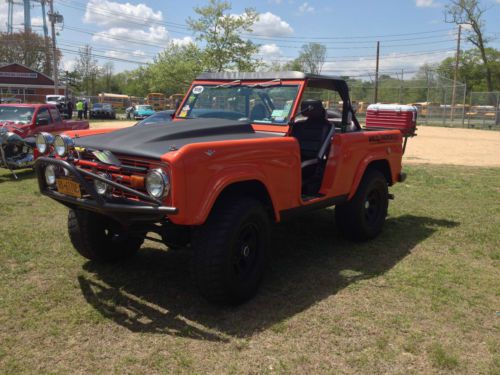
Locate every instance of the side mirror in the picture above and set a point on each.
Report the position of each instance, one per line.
(42, 121)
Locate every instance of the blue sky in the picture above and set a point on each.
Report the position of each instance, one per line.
(412, 32)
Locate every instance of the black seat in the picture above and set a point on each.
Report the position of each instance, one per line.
(313, 133)
(258, 112)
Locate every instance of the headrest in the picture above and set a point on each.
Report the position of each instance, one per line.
(313, 108)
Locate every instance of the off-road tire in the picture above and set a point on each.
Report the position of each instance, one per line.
(363, 217)
(99, 238)
(230, 251)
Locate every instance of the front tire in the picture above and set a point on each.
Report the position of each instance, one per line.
(99, 238)
(231, 250)
(363, 217)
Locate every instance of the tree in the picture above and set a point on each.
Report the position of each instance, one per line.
(26, 48)
(107, 74)
(471, 69)
(469, 12)
(175, 68)
(87, 68)
(220, 31)
(312, 57)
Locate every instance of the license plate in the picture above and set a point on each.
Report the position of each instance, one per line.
(68, 187)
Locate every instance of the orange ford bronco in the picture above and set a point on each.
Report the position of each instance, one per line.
(244, 150)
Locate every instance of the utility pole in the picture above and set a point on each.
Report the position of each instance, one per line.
(457, 62)
(27, 16)
(10, 16)
(375, 97)
(54, 18)
(46, 37)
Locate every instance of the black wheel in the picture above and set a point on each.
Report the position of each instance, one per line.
(230, 251)
(363, 217)
(99, 238)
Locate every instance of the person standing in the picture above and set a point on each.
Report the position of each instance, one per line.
(69, 109)
(85, 108)
(79, 109)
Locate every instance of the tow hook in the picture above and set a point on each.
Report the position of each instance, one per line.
(391, 196)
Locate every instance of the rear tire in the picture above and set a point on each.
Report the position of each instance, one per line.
(363, 217)
(230, 251)
(99, 238)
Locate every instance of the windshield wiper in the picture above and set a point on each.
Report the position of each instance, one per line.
(230, 84)
(267, 84)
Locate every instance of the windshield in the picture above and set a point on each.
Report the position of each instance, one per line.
(145, 107)
(18, 115)
(264, 103)
(97, 106)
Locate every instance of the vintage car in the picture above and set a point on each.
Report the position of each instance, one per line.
(19, 123)
(102, 111)
(244, 150)
(140, 112)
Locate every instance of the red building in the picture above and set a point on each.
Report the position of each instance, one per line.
(25, 84)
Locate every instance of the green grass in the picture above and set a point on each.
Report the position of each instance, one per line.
(423, 297)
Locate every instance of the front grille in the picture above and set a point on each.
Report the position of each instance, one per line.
(130, 166)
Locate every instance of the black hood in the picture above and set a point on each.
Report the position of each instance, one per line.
(152, 141)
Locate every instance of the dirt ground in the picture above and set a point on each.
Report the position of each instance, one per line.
(433, 145)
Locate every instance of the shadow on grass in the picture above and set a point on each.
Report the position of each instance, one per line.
(22, 174)
(310, 262)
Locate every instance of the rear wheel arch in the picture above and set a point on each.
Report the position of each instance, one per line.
(381, 165)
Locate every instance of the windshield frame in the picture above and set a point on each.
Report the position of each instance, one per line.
(265, 126)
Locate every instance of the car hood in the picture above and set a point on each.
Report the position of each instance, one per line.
(152, 141)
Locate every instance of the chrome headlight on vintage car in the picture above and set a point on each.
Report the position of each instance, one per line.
(43, 141)
(50, 175)
(101, 187)
(157, 183)
(63, 144)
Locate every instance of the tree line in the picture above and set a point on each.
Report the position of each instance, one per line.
(219, 46)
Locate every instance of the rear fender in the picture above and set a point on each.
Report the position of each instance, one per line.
(378, 161)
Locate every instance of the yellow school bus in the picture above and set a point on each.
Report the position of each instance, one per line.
(116, 100)
(156, 100)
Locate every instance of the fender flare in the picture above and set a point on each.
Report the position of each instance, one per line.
(362, 168)
(221, 182)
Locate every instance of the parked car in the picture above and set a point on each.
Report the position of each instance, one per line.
(10, 100)
(248, 150)
(140, 112)
(102, 111)
(19, 123)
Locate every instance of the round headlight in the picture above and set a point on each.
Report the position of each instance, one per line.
(157, 183)
(101, 187)
(63, 144)
(43, 141)
(50, 175)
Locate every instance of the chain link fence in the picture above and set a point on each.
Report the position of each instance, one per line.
(483, 110)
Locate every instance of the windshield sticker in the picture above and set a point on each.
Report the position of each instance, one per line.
(277, 113)
(198, 90)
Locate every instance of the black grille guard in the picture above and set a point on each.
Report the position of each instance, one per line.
(98, 202)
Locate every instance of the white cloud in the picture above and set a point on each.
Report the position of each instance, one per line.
(37, 21)
(122, 35)
(182, 41)
(107, 13)
(136, 55)
(270, 52)
(271, 25)
(278, 2)
(306, 8)
(426, 3)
